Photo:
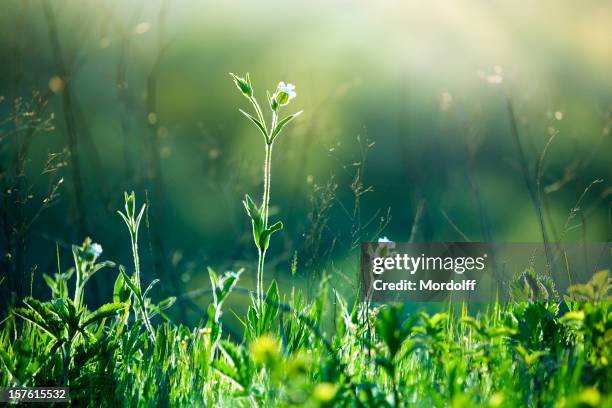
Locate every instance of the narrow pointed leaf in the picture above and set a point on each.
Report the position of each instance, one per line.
(282, 124)
(255, 121)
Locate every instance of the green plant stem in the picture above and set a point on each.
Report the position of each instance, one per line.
(145, 318)
(535, 197)
(141, 301)
(272, 126)
(260, 268)
(136, 259)
(259, 112)
(265, 210)
(267, 175)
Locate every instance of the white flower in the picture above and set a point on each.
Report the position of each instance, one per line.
(284, 93)
(289, 89)
(384, 239)
(95, 250)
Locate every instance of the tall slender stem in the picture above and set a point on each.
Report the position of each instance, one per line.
(267, 175)
(141, 300)
(260, 267)
(535, 196)
(136, 259)
(258, 111)
(265, 209)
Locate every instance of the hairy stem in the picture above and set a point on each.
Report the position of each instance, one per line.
(136, 259)
(265, 204)
(258, 112)
(140, 299)
(266, 193)
(260, 268)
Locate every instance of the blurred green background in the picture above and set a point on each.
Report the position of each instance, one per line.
(411, 97)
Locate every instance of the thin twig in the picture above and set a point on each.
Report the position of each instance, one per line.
(417, 219)
(455, 227)
(527, 178)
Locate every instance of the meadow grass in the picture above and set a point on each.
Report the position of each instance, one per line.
(299, 350)
(546, 353)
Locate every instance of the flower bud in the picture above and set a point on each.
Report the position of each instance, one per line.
(284, 93)
(274, 105)
(243, 84)
(130, 203)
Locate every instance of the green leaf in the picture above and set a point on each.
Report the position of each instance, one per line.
(436, 319)
(45, 315)
(151, 285)
(256, 218)
(67, 311)
(229, 280)
(161, 306)
(139, 218)
(227, 371)
(277, 226)
(251, 207)
(501, 331)
(96, 268)
(128, 281)
(238, 367)
(126, 220)
(270, 307)
(50, 283)
(32, 317)
(256, 122)
(166, 303)
(388, 328)
(282, 124)
(121, 292)
(264, 237)
(104, 311)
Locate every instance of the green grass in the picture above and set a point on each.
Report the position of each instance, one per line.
(323, 352)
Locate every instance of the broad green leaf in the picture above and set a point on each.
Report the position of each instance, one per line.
(270, 307)
(32, 317)
(104, 311)
(227, 371)
(121, 292)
